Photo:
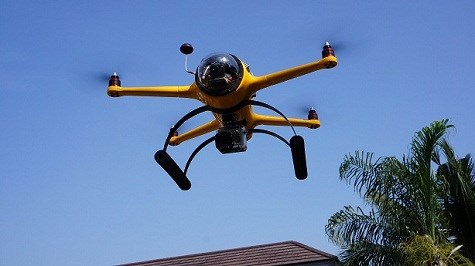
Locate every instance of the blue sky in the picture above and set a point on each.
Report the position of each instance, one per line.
(78, 182)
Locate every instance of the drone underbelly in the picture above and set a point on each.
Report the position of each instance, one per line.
(241, 117)
(233, 134)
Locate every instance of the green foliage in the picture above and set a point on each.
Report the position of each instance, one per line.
(459, 202)
(422, 250)
(405, 200)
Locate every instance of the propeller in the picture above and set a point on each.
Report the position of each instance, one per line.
(96, 81)
(103, 76)
(345, 43)
(348, 40)
(339, 46)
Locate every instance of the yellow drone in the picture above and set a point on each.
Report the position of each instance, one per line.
(226, 87)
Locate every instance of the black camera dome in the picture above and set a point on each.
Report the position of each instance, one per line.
(219, 74)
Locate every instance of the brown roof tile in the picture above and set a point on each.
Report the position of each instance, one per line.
(283, 253)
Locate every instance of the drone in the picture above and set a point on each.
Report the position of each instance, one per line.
(227, 88)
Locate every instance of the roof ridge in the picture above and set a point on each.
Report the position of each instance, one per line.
(313, 249)
(210, 252)
(268, 246)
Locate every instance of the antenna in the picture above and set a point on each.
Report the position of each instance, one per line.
(187, 49)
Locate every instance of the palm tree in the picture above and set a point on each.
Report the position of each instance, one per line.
(404, 205)
(459, 203)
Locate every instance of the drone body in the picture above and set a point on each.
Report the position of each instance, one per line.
(224, 84)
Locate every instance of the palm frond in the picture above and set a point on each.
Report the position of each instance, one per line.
(350, 225)
(359, 169)
(406, 198)
(459, 201)
(368, 254)
(424, 144)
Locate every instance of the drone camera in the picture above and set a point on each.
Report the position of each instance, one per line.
(219, 74)
(231, 139)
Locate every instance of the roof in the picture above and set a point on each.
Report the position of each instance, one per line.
(283, 253)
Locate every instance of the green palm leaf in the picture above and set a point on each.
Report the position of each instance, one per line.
(403, 197)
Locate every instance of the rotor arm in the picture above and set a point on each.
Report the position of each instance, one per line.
(190, 91)
(198, 131)
(265, 81)
(266, 120)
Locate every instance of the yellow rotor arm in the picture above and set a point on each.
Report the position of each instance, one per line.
(190, 91)
(198, 131)
(261, 82)
(257, 119)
